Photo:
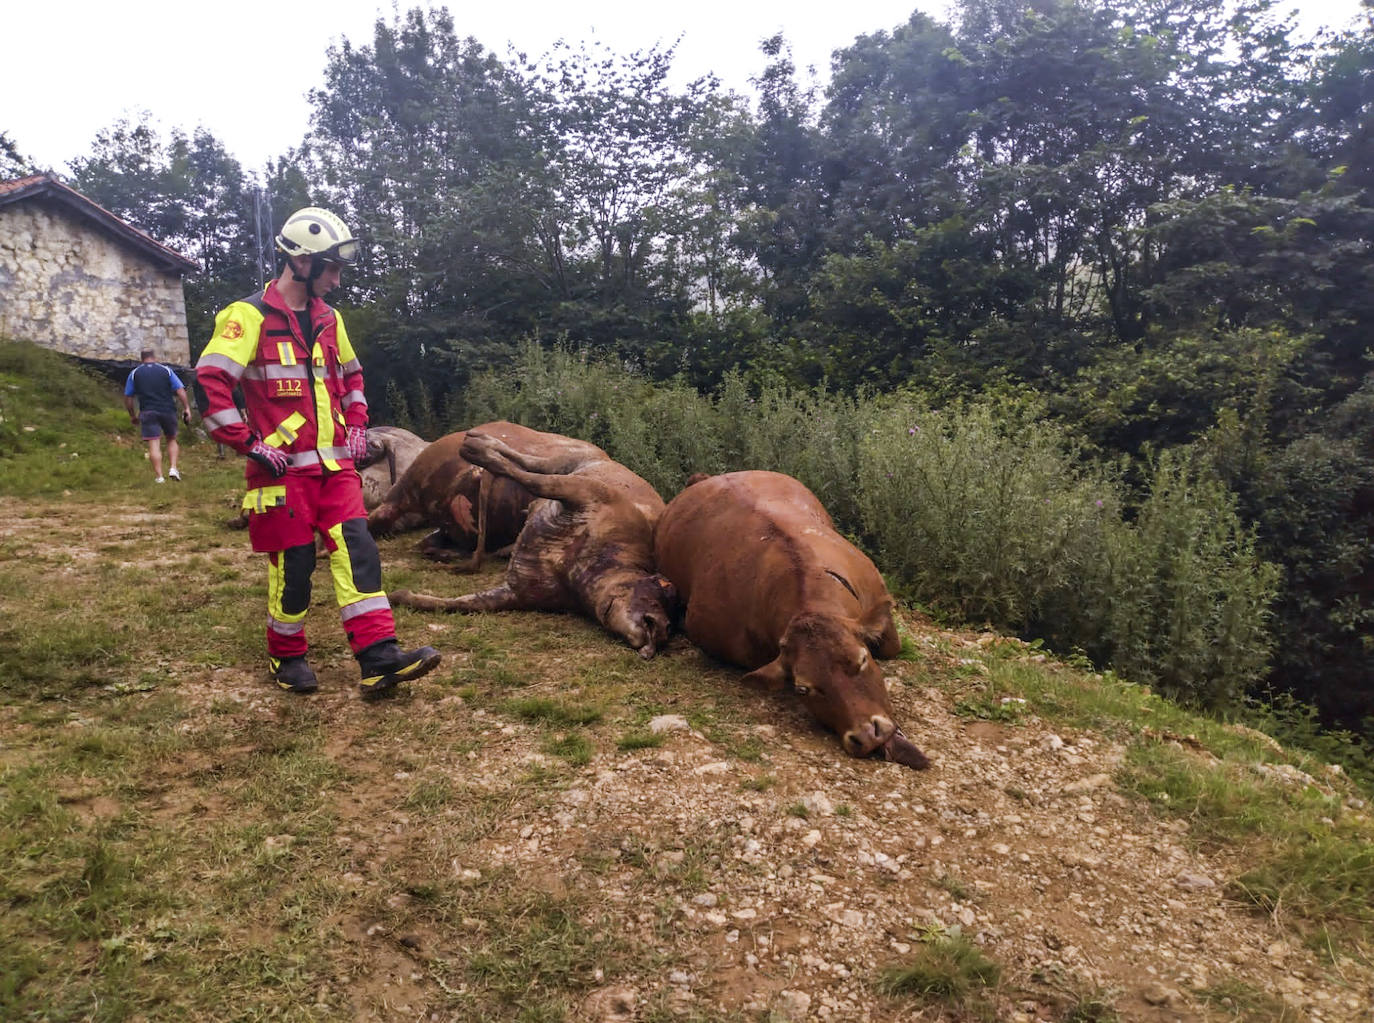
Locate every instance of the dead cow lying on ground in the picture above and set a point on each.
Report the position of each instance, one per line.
(769, 585)
(587, 543)
(470, 511)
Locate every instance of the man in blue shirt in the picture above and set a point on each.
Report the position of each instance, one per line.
(158, 390)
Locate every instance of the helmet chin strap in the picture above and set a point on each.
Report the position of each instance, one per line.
(316, 269)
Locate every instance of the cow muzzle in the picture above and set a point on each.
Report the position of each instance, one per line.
(876, 731)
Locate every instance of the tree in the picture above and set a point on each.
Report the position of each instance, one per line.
(781, 228)
(13, 164)
(187, 193)
(507, 199)
(423, 141)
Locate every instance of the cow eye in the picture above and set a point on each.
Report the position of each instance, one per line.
(801, 689)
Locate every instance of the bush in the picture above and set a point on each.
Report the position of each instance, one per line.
(982, 512)
(1185, 595)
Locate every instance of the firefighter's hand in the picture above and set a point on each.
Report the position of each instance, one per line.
(271, 459)
(357, 443)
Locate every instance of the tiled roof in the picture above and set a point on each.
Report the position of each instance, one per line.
(48, 187)
(18, 183)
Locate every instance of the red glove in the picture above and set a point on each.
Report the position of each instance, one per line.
(357, 443)
(271, 459)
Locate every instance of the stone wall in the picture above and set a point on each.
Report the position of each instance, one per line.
(66, 285)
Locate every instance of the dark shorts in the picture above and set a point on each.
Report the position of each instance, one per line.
(155, 424)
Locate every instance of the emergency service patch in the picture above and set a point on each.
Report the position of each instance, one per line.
(288, 388)
(233, 330)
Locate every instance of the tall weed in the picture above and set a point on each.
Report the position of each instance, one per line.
(1185, 599)
(984, 516)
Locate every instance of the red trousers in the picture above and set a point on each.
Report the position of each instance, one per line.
(284, 517)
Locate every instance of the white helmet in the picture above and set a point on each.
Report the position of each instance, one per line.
(317, 232)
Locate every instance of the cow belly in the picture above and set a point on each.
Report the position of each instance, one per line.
(538, 569)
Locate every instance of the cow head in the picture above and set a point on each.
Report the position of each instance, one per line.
(377, 449)
(642, 613)
(827, 660)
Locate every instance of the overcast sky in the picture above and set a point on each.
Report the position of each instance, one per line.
(242, 69)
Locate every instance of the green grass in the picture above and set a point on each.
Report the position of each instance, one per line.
(545, 710)
(944, 968)
(640, 739)
(1312, 858)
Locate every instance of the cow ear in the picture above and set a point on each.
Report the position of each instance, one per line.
(880, 631)
(461, 510)
(773, 676)
(669, 592)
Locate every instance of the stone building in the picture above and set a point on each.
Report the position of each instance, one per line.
(77, 279)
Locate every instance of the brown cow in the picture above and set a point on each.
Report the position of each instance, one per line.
(587, 543)
(769, 585)
(472, 512)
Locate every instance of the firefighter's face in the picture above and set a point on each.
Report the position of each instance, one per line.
(328, 279)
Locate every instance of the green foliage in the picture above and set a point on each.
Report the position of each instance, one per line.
(190, 195)
(1313, 500)
(13, 164)
(1183, 601)
(1168, 391)
(981, 511)
(1299, 725)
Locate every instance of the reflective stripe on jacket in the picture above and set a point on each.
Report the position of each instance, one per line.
(300, 396)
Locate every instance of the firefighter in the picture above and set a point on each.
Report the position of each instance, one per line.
(303, 426)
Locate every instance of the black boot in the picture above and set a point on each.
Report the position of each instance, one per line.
(385, 664)
(293, 674)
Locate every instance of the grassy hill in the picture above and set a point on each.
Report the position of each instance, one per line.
(511, 838)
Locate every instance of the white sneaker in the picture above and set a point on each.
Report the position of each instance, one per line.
(159, 479)
(172, 472)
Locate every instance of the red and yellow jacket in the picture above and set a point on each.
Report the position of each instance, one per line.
(301, 396)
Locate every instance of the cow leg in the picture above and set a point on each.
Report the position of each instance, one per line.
(570, 455)
(439, 546)
(499, 598)
(577, 491)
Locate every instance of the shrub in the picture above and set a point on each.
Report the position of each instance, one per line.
(985, 516)
(1186, 596)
